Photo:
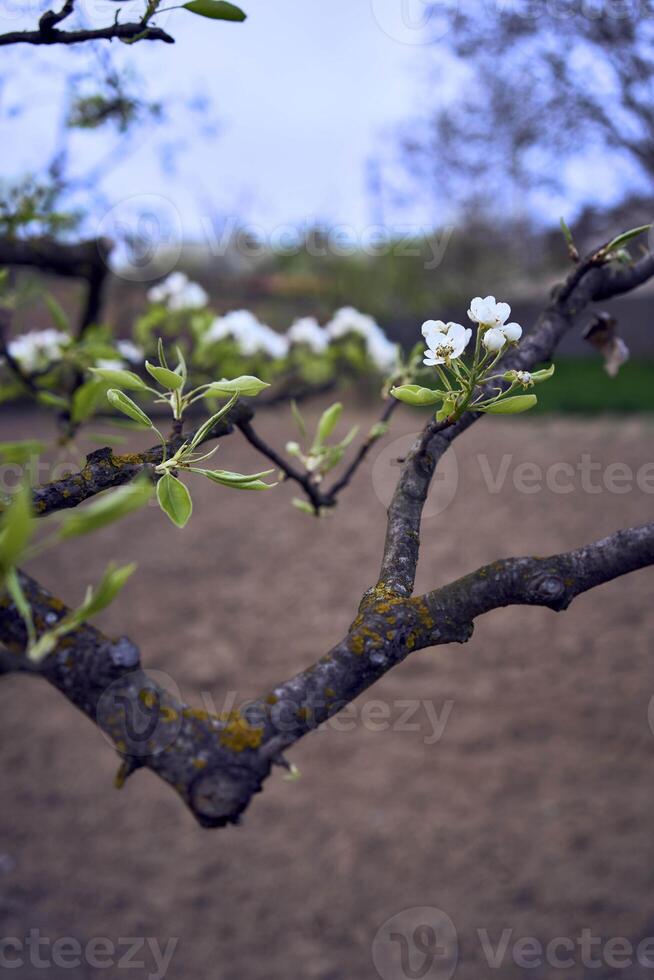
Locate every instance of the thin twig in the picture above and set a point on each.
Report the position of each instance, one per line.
(304, 480)
(361, 453)
(123, 32)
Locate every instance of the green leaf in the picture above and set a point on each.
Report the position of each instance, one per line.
(51, 400)
(125, 405)
(299, 421)
(161, 353)
(59, 317)
(174, 499)
(511, 406)
(106, 509)
(206, 428)
(621, 240)
(120, 378)
(20, 452)
(99, 598)
(447, 408)
(238, 481)
(344, 443)
(416, 395)
(303, 505)
(215, 9)
(17, 527)
(168, 379)
(15, 590)
(567, 234)
(378, 430)
(95, 601)
(327, 423)
(246, 385)
(86, 399)
(181, 363)
(542, 375)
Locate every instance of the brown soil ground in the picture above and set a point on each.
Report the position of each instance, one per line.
(531, 813)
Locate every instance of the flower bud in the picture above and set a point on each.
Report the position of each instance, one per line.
(493, 340)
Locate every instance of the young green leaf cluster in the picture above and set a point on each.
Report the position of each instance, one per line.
(173, 495)
(320, 456)
(17, 530)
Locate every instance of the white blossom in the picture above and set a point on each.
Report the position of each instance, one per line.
(348, 320)
(433, 326)
(512, 332)
(494, 340)
(488, 312)
(110, 364)
(308, 331)
(130, 351)
(38, 348)
(444, 344)
(524, 377)
(177, 292)
(382, 352)
(251, 336)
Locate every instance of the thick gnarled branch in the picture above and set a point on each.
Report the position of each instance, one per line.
(218, 762)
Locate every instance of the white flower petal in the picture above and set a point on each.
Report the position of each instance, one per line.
(512, 332)
(502, 312)
(433, 326)
(493, 340)
(487, 311)
(308, 331)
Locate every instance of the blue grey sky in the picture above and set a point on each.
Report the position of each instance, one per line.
(305, 93)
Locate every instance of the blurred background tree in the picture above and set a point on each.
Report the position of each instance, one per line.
(544, 95)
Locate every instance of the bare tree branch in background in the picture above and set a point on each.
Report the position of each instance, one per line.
(539, 85)
(48, 32)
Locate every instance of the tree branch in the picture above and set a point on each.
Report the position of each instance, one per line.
(104, 469)
(361, 454)
(318, 497)
(218, 762)
(87, 260)
(588, 282)
(303, 479)
(123, 32)
(80, 260)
